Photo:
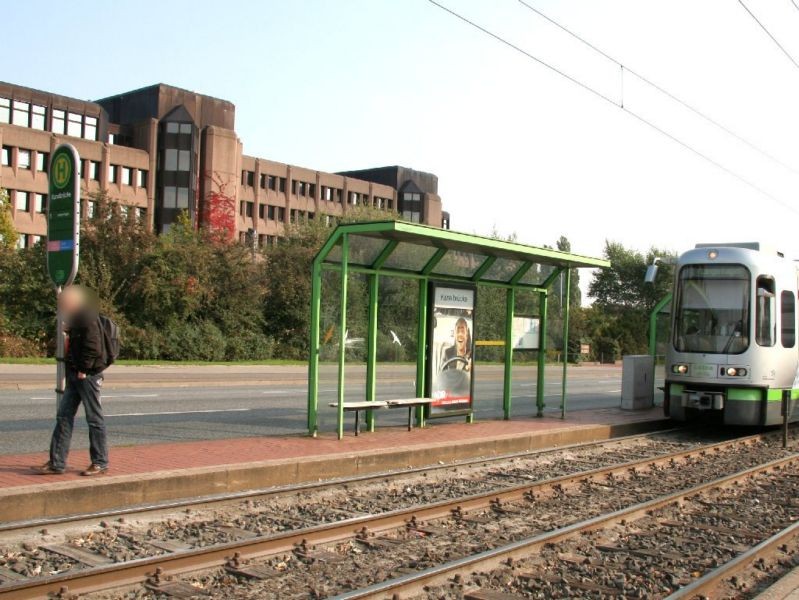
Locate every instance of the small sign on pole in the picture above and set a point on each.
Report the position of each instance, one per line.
(63, 238)
(63, 216)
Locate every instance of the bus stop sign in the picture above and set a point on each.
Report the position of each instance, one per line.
(63, 216)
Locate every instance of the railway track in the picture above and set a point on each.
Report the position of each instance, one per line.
(324, 552)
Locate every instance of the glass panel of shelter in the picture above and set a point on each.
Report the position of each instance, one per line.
(459, 264)
(503, 270)
(410, 257)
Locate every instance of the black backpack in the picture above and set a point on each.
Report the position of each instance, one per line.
(110, 333)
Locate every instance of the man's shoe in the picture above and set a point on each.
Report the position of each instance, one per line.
(94, 470)
(47, 469)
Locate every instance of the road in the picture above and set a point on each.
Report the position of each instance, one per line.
(149, 404)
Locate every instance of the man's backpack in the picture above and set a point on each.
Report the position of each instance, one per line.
(110, 333)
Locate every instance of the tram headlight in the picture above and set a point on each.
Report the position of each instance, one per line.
(735, 372)
(680, 369)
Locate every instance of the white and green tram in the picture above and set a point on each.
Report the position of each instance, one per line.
(733, 348)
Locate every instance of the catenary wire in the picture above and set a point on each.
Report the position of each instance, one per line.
(768, 33)
(664, 91)
(617, 104)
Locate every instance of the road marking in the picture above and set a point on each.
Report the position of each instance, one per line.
(180, 412)
(105, 396)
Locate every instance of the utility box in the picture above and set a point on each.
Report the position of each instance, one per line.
(637, 382)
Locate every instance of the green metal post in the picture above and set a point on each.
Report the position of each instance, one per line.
(510, 305)
(342, 337)
(565, 301)
(313, 359)
(371, 358)
(542, 354)
(421, 351)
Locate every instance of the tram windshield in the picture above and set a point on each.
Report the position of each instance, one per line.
(713, 309)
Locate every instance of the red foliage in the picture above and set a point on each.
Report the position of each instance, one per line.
(218, 211)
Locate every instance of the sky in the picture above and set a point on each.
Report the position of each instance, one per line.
(347, 84)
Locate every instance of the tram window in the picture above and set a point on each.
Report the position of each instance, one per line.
(766, 330)
(788, 319)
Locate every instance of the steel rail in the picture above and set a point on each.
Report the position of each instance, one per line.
(415, 583)
(93, 579)
(287, 490)
(712, 580)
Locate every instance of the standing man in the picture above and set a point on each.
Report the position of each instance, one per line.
(85, 362)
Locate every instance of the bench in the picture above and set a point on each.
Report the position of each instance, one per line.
(357, 407)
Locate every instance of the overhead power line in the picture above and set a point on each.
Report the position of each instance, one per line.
(768, 33)
(617, 104)
(664, 91)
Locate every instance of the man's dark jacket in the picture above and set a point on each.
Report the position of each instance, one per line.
(85, 354)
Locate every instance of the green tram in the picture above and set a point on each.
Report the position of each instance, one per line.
(733, 348)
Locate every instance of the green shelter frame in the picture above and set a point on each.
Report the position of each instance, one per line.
(424, 253)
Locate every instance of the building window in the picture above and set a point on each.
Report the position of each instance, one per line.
(171, 159)
(248, 178)
(112, 138)
(282, 187)
(412, 207)
(271, 182)
(5, 156)
(184, 160)
(90, 130)
(339, 194)
(21, 114)
(183, 197)
(113, 173)
(262, 181)
(281, 214)
(37, 239)
(74, 124)
(141, 213)
(22, 242)
(59, 121)
(23, 201)
(91, 208)
(141, 178)
(270, 213)
(38, 117)
(94, 170)
(170, 196)
(248, 209)
(23, 159)
(312, 190)
(41, 161)
(5, 110)
(261, 210)
(40, 203)
(127, 176)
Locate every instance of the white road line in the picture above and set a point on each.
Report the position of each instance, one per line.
(105, 396)
(180, 412)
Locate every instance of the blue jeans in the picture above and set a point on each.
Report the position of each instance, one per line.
(76, 391)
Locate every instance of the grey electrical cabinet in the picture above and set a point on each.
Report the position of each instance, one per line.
(637, 382)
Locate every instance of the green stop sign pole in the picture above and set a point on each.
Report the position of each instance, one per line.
(63, 238)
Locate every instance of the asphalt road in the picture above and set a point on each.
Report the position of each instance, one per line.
(144, 405)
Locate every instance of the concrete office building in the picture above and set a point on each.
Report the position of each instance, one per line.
(162, 150)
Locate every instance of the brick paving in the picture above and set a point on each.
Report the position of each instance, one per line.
(15, 470)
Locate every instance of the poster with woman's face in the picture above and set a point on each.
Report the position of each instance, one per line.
(452, 349)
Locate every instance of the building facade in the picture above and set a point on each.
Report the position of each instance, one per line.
(161, 151)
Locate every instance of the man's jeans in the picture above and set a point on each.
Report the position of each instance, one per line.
(77, 391)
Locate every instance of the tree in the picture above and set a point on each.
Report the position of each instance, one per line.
(287, 270)
(8, 233)
(618, 319)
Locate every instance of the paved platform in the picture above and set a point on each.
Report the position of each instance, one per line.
(786, 588)
(158, 472)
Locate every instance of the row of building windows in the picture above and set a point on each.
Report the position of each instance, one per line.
(25, 201)
(116, 173)
(34, 116)
(29, 240)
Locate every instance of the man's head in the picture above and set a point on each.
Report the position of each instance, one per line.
(461, 332)
(72, 299)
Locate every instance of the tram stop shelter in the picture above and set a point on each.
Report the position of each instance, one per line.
(425, 254)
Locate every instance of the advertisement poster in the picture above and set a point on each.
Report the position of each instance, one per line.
(525, 332)
(452, 349)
